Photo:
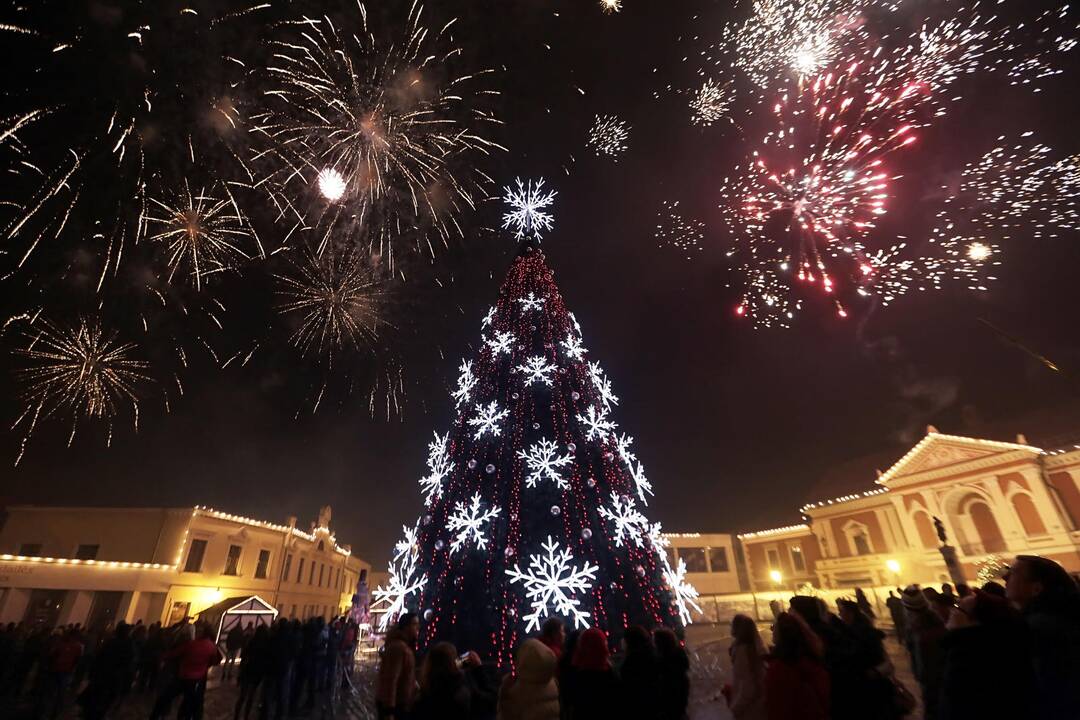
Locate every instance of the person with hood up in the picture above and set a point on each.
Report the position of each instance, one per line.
(595, 692)
(395, 685)
(530, 693)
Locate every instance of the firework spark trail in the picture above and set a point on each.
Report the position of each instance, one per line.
(79, 371)
(388, 145)
(339, 298)
(204, 233)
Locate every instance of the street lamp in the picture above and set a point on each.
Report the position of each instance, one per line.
(775, 576)
(894, 568)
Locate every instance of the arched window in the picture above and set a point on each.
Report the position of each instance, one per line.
(986, 528)
(322, 546)
(925, 528)
(1029, 516)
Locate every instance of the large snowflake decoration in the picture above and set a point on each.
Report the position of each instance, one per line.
(468, 521)
(402, 582)
(487, 420)
(602, 385)
(526, 213)
(596, 423)
(574, 349)
(577, 325)
(682, 592)
(544, 462)
(489, 318)
(501, 343)
(622, 445)
(536, 368)
(629, 524)
(531, 302)
(656, 538)
(465, 383)
(550, 583)
(438, 463)
(637, 473)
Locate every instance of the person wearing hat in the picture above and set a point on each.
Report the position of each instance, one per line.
(925, 631)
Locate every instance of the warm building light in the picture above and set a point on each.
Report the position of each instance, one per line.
(775, 576)
(893, 565)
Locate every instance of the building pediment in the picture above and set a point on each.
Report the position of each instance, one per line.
(938, 453)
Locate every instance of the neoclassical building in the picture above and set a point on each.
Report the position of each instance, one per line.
(994, 499)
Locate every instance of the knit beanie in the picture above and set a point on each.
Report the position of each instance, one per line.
(913, 599)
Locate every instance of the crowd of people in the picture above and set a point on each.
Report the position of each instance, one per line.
(1008, 651)
(286, 668)
(556, 676)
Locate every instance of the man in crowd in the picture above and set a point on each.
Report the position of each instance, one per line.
(396, 682)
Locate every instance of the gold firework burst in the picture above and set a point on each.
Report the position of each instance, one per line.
(338, 297)
(202, 231)
(78, 371)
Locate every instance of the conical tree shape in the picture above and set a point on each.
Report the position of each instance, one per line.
(533, 497)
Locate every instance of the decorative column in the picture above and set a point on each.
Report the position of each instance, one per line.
(948, 552)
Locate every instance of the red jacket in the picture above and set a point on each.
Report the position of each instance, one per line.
(65, 656)
(196, 658)
(797, 690)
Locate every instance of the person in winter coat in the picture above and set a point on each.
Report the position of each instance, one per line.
(673, 675)
(277, 682)
(896, 612)
(565, 675)
(112, 668)
(396, 681)
(986, 646)
(1049, 602)
(234, 644)
(530, 693)
(871, 691)
(747, 670)
(925, 633)
(253, 668)
(796, 682)
(444, 694)
(553, 634)
(63, 658)
(839, 655)
(195, 658)
(638, 675)
(596, 692)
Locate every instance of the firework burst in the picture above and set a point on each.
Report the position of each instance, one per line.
(204, 233)
(104, 109)
(711, 102)
(80, 372)
(382, 138)
(818, 183)
(338, 298)
(608, 136)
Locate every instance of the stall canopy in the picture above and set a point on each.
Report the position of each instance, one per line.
(244, 610)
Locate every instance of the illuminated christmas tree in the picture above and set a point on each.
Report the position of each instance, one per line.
(534, 497)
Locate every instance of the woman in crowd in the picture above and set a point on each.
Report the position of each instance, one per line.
(673, 682)
(747, 670)
(638, 674)
(444, 694)
(796, 682)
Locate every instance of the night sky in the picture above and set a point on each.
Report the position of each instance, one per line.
(737, 426)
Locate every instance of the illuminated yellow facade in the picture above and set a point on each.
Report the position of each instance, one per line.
(95, 565)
